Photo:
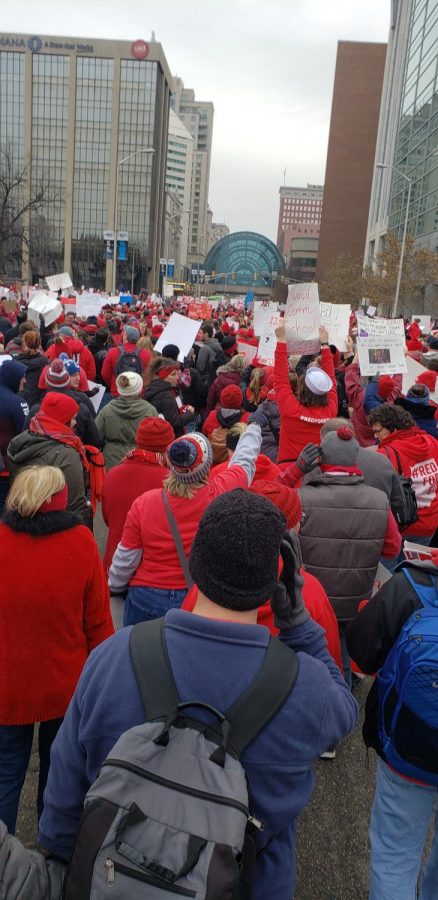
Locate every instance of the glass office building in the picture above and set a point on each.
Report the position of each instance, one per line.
(416, 153)
(70, 112)
(244, 258)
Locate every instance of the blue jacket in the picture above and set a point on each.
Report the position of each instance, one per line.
(13, 408)
(213, 661)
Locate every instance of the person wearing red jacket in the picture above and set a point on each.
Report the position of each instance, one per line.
(356, 399)
(67, 342)
(130, 337)
(141, 470)
(54, 610)
(316, 400)
(414, 330)
(402, 441)
(229, 411)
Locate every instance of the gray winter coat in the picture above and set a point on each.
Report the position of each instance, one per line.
(384, 477)
(25, 874)
(342, 536)
(117, 425)
(208, 351)
(270, 432)
(28, 449)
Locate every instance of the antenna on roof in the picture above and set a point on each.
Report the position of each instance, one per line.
(153, 37)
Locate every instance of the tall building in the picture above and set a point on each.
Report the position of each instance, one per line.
(178, 193)
(79, 112)
(351, 149)
(198, 117)
(300, 214)
(217, 231)
(410, 101)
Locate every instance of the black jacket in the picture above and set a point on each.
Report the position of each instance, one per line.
(35, 364)
(85, 424)
(374, 631)
(271, 431)
(162, 395)
(196, 394)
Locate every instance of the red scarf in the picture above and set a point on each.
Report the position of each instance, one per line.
(147, 456)
(342, 470)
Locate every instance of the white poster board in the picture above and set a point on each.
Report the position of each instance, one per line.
(59, 282)
(377, 326)
(414, 369)
(89, 305)
(371, 311)
(302, 319)
(384, 355)
(246, 350)
(97, 398)
(266, 350)
(46, 305)
(266, 317)
(336, 318)
(180, 331)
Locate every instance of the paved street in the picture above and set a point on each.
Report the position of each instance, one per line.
(332, 836)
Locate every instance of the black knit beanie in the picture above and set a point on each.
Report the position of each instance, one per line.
(234, 557)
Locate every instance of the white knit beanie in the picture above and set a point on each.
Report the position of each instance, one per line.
(134, 387)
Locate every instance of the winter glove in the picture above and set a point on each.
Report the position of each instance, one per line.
(287, 600)
(25, 874)
(309, 458)
(259, 418)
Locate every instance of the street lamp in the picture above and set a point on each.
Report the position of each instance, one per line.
(116, 204)
(405, 231)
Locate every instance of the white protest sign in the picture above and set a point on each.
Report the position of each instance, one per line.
(384, 355)
(46, 305)
(180, 331)
(377, 326)
(113, 300)
(97, 398)
(266, 349)
(414, 369)
(89, 305)
(371, 311)
(425, 323)
(266, 317)
(246, 350)
(301, 318)
(59, 282)
(381, 577)
(336, 318)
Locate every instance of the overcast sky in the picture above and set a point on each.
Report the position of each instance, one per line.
(268, 67)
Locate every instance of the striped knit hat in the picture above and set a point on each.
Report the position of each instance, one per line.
(190, 457)
(57, 376)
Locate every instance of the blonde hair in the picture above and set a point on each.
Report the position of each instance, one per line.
(32, 487)
(177, 488)
(255, 384)
(237, 363)
(238, 429)
(144, 343)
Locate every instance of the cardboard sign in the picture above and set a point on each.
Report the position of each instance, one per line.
(302, 318)
(181, 331)
(266, 349)
(266, 317)
(246, 350)
(377, 326)
(46, 305)
(336, 318)
(59, 282)
(384, 355)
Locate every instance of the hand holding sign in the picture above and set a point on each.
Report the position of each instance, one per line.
(280, 331)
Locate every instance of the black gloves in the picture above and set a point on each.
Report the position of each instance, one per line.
(287, 600)
(309, 458)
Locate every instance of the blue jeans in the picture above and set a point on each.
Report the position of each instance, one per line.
(390, 564)
(143, 603)
(400, 819)
(15, 749)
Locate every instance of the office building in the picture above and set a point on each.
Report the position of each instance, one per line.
(303, 254)
(350, 157)
(410, 102)
(197, 116)
(178, 193)
(216, 231)
(76, 109)
(299, 216)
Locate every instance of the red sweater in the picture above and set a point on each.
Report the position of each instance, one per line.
(147, 528)
(54, 609)
(418, 454)
(266, 470)
(300, 424)
(75, 349)
(122, 485)
(356, 395)
(111, 360)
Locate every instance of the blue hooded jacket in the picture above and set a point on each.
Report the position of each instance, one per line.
(13, 409)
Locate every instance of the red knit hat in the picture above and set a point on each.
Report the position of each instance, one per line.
(231, 397)
(59, 407)
(154, 434)
(156, 330)
(286, 499)
(385, 386)
(429, 379)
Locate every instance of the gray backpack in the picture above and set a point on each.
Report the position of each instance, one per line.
(169, 813)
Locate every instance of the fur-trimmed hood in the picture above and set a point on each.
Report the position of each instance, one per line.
(41, 524)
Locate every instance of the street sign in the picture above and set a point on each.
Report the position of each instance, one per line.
(122, 236)
(108, 235)
(170, 268)
(122, 249)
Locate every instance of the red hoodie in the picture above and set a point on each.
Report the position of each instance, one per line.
(111, 360)
(356, 395)
(300, 424)
(75, 349)
(418, 453)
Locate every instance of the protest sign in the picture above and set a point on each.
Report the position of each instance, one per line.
(381, 355)
(88, 304)
(97, 398)
(266, 317)
(414, 369)
(46, 305)
(266, 349)
(371, 311)
(59, 282)
(180, 331)
(377, 326)
(246, 350)
(336, 318)
(301, 318)
(199, 311)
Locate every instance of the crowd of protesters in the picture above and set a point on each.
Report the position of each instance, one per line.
(249, 505)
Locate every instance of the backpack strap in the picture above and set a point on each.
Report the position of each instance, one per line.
(151, 664)
(266, 694)
(426, 593)
(399, 468)
(178, 542)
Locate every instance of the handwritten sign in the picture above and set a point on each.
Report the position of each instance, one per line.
(381, 355)
(336, 318)
(377, 326)
(266, 349)
(302, 318)
(266, 317)
(59, 282)
(246, 350)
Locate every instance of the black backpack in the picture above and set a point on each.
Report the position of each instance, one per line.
(404, 509)
(217, 358)
(99, 359)
(128, 361)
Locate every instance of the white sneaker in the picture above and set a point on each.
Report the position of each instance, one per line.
(328, 754)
